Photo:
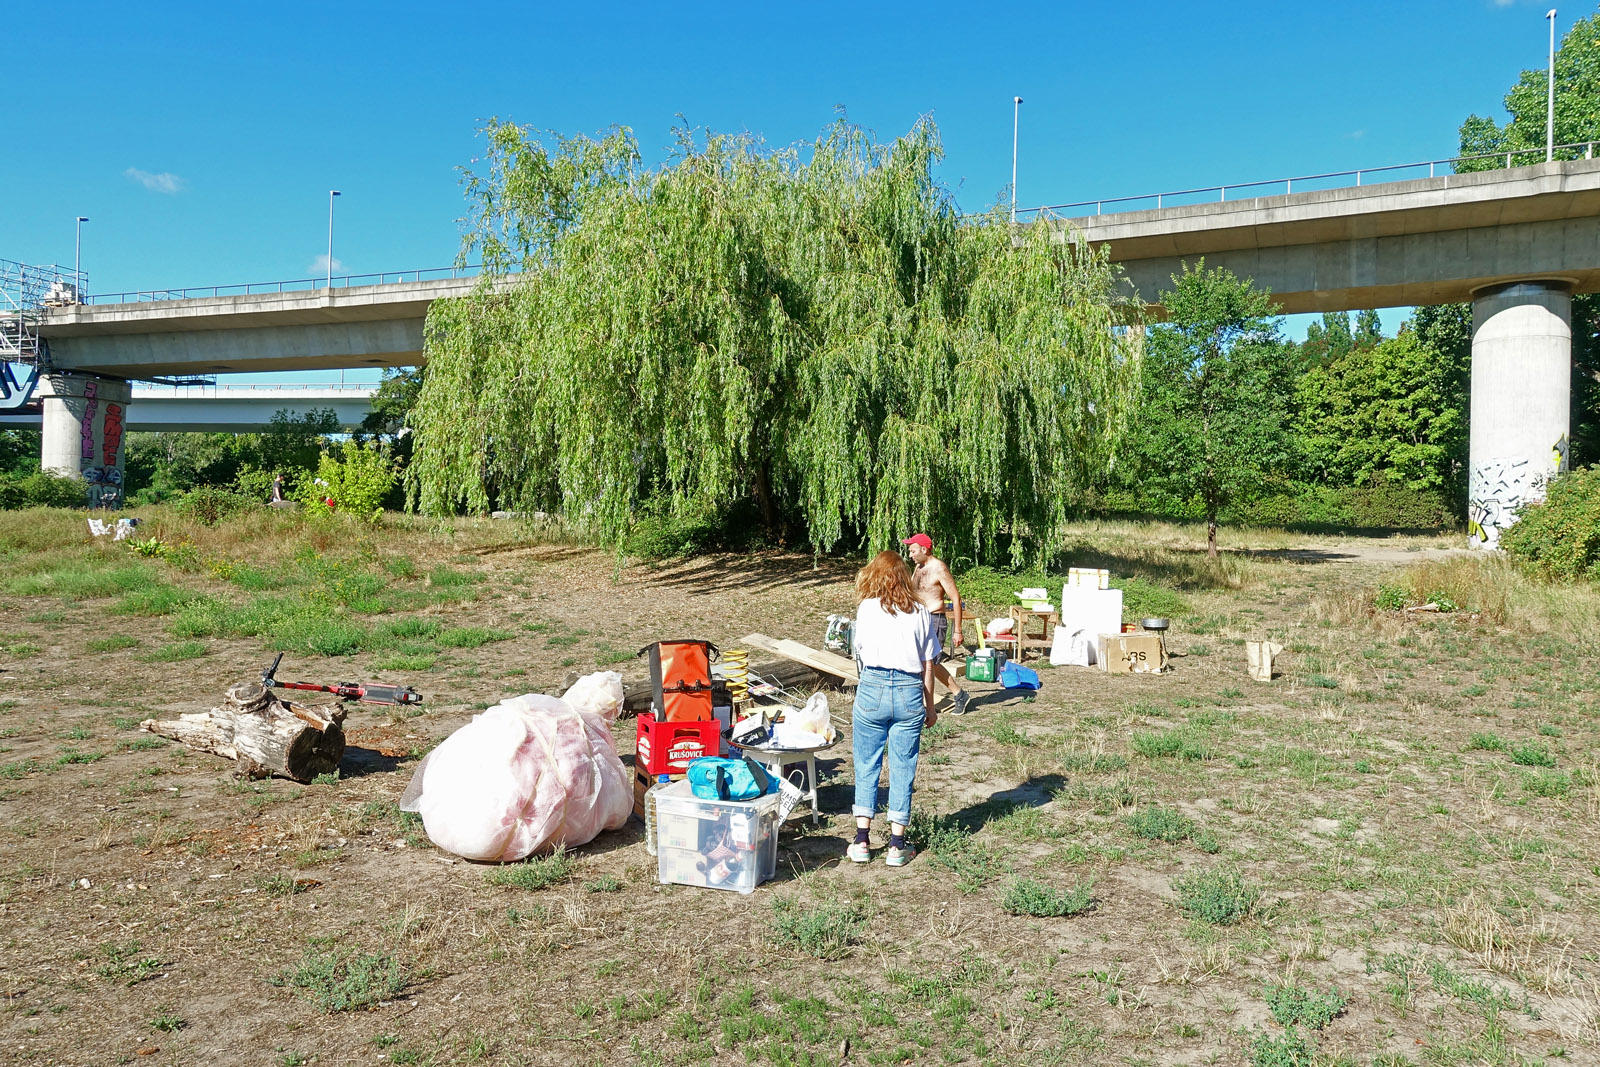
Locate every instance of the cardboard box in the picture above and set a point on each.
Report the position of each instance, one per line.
(1132, 653)
(641, 782)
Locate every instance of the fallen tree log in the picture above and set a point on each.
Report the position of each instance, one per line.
(263, 733)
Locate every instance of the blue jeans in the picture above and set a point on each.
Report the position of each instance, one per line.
(888, 715)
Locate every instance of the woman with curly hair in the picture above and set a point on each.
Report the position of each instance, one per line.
(895, 652)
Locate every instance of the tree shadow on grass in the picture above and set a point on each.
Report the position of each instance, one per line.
(755, 572)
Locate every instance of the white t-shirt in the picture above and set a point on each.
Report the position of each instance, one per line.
(901, 641)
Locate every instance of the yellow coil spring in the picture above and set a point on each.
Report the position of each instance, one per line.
(736, 672)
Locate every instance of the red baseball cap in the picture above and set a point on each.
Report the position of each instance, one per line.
(919, 539)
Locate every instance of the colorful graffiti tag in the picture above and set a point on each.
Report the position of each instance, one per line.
(103, 481)
(1495, 490)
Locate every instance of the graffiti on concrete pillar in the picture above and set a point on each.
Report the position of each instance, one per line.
(1561, 455)
(1495, 490)
(90, 393)
(111, 434)
(103, 481)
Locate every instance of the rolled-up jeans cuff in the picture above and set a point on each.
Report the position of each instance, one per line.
(861, 813)
(900, 818)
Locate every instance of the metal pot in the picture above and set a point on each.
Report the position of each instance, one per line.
(1155, 625)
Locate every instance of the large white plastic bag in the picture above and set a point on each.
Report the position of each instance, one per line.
(599, 694)
(527, 775)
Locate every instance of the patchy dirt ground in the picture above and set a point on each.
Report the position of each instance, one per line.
(1409, 811)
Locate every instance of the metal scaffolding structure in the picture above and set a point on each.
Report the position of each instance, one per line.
(25, 293)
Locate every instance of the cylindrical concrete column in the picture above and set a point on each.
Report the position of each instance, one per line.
(84, 437)
(1521, 400)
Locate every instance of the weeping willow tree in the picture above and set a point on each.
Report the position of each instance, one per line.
(814, 328)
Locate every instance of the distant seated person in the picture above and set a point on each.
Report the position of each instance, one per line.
(278, 499)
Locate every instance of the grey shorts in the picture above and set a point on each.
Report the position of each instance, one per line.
(941, 627)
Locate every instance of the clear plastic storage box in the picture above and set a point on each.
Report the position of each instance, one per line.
(718, 844)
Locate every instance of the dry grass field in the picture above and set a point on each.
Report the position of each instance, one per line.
(1387, 856)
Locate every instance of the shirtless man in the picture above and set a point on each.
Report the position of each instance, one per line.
(934, 588)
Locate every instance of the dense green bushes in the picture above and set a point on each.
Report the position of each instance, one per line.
(1391, 507)
(1560, 538)
(209, 505)
(41, 490)
(356, 482)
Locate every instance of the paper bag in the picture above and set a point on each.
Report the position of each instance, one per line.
(1261, 654)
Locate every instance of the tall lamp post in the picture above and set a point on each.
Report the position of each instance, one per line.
(1016, 112)
(77, 259)
(1550, 95)
(331, 194)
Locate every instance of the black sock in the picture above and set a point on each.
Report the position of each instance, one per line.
(861, 835)
(897, 840)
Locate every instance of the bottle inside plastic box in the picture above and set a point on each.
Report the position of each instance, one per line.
(715, 844)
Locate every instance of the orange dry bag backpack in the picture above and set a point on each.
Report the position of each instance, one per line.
(680, 679)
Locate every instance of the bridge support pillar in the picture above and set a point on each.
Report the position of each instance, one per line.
(1521, 400)
(83, 419)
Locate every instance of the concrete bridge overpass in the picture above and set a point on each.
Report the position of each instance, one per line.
(1517, 243)
(224, 408)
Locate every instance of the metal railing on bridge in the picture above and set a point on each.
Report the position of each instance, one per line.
(271, 389)
(1187, 197)
(291, 285)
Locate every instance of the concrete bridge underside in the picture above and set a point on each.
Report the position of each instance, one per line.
(1515, 243)
(315, 329)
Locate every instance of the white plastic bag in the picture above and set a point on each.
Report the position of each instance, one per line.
(1072, 649)
(812, 719)
(529, 774)
(599, 694)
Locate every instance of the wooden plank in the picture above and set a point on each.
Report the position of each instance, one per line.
(815, 658)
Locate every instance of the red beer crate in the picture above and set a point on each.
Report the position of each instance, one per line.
(669, 747)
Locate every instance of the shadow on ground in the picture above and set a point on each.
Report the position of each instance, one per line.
(752, 573)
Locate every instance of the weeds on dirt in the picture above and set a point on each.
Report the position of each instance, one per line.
(1172, 827)
(168, 1023)
(175, 652)
(1530, 754)
(126, 963)
(1294, 1005)
(1027, 897)
(343, 981)
(540, 872)
(1219, 896)
(826, 931)
(112, 643)
(1291, 1049)
(1180, 742)
(471, 636)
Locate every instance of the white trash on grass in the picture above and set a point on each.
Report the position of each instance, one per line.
(528, 775)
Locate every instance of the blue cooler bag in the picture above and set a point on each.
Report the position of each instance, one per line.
(720, 778)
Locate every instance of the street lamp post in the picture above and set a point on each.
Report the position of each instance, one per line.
(77, 259)
(1550, 95)
(1016, 111)
(331, 194)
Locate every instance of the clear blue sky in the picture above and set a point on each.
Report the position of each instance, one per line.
(201, 141)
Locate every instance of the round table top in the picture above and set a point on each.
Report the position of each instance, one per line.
(766, 751)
